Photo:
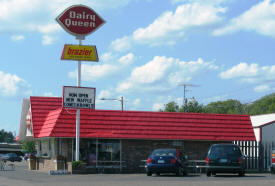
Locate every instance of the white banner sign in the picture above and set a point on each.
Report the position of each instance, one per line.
(78, 97)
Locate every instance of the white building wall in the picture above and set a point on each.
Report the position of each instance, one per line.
(261, 121)
(257, 134)
(268, 133)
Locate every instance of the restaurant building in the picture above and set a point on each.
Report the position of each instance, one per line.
(122, 140)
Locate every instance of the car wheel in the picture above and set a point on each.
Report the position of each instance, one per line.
(179, 172)
(149, 173)
(185, 173)
(208, 173)
(157, 173)
(242, 174)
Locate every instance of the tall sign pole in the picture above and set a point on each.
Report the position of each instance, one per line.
(80, 21)
(77, 129)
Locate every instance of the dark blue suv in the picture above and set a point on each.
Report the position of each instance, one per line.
(166, 161)
(225, 158)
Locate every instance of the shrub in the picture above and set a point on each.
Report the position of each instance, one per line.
(76, 164)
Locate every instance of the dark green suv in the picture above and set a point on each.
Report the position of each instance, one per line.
(225, 158)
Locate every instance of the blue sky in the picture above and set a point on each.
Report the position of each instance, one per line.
(146, 48)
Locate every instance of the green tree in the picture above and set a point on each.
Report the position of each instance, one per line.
(28, 147)
(265, 105)
(225, 107)
(192, 106)
(171, 107)
(6, 137)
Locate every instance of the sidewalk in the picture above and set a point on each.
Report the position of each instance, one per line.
(21, 172)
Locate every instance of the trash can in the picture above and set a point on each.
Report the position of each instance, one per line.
(32, 162)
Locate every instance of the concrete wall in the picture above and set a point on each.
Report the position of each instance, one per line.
(134, 152)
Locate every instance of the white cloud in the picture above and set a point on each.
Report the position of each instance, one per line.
(152, 71)
(39, 16)
(12, 9)
(49, 94)
(162, 74)
(259, 18)
(252, 74)
(48, 28)
(170, 26)
(158, 106)
(122, 44)
(17, 37)
(136, 102)
(113, 66)
(173, 24)
(47, 40)
(241, 70)
(127, 59)
(262, 88)
(107, 57)
(104, 94)
(11, 83)
(93, 72)
(212, 2)
(249, 73)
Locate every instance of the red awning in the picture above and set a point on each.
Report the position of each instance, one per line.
(51, 120)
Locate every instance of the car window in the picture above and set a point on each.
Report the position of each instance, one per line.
(164, 153)
(218, 151)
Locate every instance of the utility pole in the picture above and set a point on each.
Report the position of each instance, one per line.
(121, 101)
(184, 102)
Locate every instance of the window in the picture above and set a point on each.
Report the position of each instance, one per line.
(49, 147)
(100, 152)
(109, 150)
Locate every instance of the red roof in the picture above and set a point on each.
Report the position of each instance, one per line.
(51, 120)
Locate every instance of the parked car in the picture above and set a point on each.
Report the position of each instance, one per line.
(166, 161)
(225, 158)
(11, 157)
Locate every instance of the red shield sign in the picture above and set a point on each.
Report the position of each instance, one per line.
(79, 20)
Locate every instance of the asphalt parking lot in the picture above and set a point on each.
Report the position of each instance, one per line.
(23, 177)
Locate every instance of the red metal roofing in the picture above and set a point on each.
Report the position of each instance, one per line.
(51, 120)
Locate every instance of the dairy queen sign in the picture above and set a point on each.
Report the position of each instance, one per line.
(79, 20)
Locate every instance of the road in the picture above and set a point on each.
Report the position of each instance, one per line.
(23, 177)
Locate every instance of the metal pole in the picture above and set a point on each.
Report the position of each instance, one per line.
(184, 100)
(77, 140)
(121, 103)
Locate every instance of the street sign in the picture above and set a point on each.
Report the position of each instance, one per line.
(78, 97)
(79, 20)
(79, 53)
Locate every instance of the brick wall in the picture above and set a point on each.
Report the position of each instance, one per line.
(45, 164)
(134, 152)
